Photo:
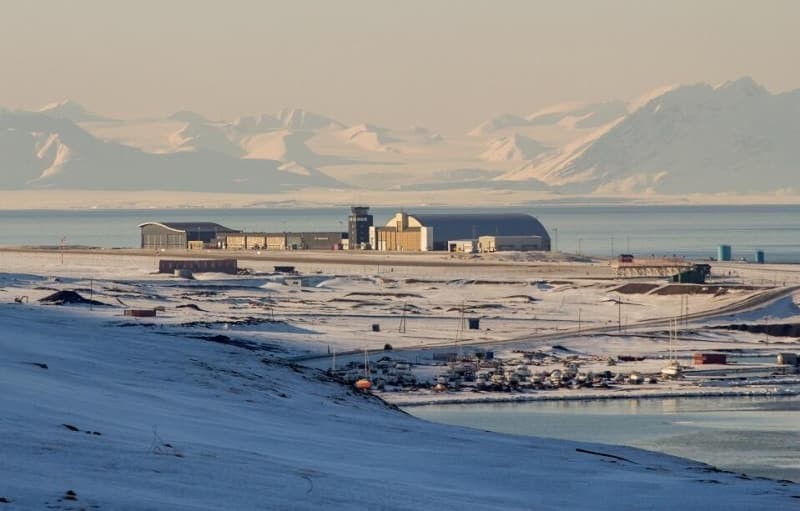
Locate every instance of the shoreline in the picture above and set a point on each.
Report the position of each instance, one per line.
(88, 200)
(499, 398)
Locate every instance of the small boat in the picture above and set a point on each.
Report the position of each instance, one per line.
(673, 369)
(635, 378)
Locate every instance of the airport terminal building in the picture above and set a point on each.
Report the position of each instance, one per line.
(407, 232)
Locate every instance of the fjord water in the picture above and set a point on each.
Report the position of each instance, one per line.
(598, 230)
(756, 436)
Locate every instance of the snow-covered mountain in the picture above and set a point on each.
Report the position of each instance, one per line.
(574, 116)
(283, 145)
(256, 124)
(203, 136)
(72, 111)
(513, 148)
(736, 137)
(422, 135)
(188, 116)
(368, 137)
(498, 123)
(299, 119)
(40, 151)
(579, 115)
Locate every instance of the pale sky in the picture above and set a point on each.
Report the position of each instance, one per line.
(447, 65)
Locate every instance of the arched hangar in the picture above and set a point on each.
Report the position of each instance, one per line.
(420, 232)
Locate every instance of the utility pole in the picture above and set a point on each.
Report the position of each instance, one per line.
(555, 232)
(402, 328)
(686, 316)
(619, 315)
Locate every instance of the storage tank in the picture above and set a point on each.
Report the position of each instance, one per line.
(760, 257)
(724, 253)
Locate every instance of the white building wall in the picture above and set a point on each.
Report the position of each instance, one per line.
(426, 238)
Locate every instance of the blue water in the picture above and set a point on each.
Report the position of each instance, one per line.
(757, 436)
(690, 231)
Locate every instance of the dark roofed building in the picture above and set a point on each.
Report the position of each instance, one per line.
(182, 235)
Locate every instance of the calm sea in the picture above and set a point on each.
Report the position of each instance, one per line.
(756, 436)
(691, 231)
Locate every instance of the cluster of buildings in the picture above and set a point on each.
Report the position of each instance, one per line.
(404, 232)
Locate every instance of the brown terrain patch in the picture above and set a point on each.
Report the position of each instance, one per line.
(636, 288)
(691, 289)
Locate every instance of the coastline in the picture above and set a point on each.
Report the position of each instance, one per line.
(498, 397)
(65, 199)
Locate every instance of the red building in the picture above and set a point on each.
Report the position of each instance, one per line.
(710, 358)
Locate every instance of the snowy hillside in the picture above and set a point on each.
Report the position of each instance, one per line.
(106, 412)
(734, 137)
(513, 148)
(282, 145)
(203, 136)
(368, 137)
(580, 115)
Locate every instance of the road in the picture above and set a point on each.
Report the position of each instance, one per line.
(552, 262)
(750, 303)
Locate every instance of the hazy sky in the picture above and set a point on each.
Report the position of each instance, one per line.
(443, 64)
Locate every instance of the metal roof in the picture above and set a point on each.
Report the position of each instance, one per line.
(191, 226)
(450, 226)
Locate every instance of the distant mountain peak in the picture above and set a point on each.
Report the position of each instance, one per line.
(64, 104)
(497, 123)
(744, 85)
(299, 119)
(691, 138)
(70, 110)
(188, 116)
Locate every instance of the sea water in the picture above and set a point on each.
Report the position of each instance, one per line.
(757, 436)
(597, 230)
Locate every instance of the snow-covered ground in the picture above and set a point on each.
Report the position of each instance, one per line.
(200, 408)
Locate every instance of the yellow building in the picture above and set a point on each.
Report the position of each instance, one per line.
(403, 233)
